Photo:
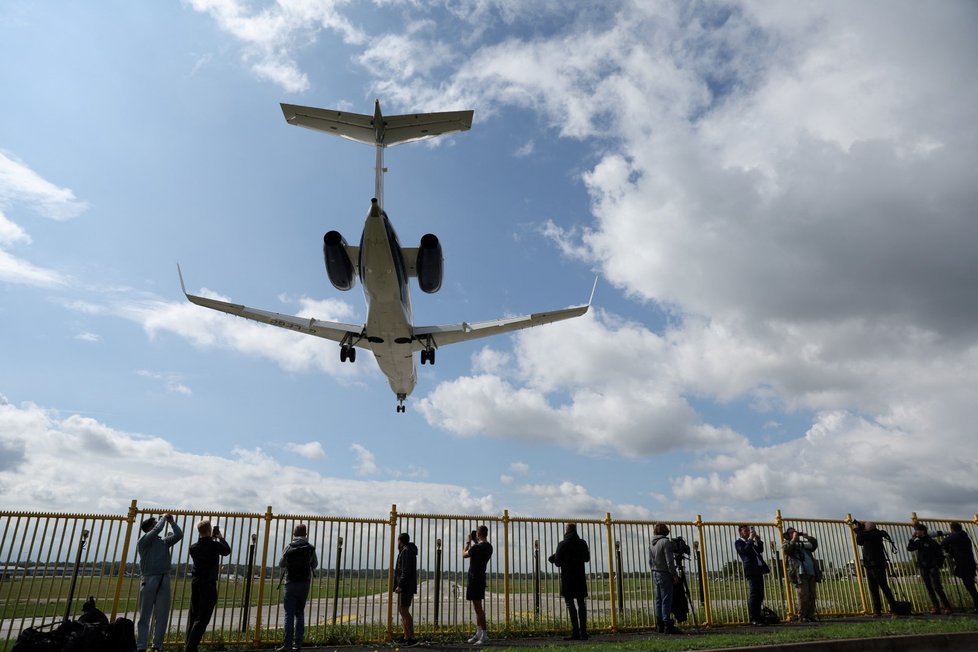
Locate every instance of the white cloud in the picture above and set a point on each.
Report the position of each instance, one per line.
(82, 465)
(171, 381)
(520, 467)
(506, 479)
(273, 35)
(311, 450)
(20, 184)
(366, 461)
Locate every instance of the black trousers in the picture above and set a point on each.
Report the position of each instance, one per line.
(578, 614)
(203, 598)
(755, 597)
(876, 577)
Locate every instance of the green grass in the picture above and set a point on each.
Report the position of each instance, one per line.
(781, 634)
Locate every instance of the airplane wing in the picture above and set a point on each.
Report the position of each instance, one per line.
(452, 333)
(336, 331)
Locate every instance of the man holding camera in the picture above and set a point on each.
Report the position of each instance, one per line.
(478, 551)
(874, 561)
(206, 555)
(802, 570)
(930, 558)
(959, 547)
(750, 548)
(662, 559)
(154, 568)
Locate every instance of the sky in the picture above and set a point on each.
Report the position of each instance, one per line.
(777, 199)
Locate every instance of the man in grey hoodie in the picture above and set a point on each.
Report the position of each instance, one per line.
(154, 567)
(662, 559)
(299, 561)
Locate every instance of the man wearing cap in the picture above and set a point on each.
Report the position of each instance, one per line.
(154, 567)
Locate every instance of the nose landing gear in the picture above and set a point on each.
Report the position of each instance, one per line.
(400, 403)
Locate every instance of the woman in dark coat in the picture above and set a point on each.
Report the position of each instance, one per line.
(571, 555)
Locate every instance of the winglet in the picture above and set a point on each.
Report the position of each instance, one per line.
(593, 288)
(182, 286)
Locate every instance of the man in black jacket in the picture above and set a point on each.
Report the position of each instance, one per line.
(750, 549)
(206, 554)
(959, 547)
(406, 585)
(571, 555)
(930, 558)
(299, 561)
(874, 561)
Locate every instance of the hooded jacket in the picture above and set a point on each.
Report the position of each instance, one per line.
(154, 551)
(571, 555)
(406, 569)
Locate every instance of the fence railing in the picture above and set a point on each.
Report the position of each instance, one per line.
(50, 563)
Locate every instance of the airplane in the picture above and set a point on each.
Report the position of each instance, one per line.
(382, 265)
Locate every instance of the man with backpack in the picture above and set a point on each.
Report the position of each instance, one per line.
(930, 559)
(206, 555)
(406, 585)
(299, 560)
(959, 548)
(154, 568)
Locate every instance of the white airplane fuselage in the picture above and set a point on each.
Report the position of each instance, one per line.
(385, 289)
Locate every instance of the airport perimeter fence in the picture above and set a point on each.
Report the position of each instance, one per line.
(47, 558)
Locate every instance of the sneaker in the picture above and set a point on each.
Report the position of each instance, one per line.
(484, 639)
(475, 637)
(411, 642)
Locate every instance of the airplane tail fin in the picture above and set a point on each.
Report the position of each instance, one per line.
(378, 129)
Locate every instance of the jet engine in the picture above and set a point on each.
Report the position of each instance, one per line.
(339, 267)
(429, 264)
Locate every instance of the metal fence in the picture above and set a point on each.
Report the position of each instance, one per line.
(51, 563)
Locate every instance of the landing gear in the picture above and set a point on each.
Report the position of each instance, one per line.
(428, 352)
(348, 348)
(400, 403)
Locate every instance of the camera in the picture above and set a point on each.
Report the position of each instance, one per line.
(858, 525)
(680, 548)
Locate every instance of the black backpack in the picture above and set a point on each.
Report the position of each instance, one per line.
(298, 562)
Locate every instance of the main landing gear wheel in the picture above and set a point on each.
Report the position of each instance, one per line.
(348, 352)
(428, 355)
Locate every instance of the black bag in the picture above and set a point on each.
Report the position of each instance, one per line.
(122, 636)
(680, 606)
(298, 563)
(769, 617)
(37, 640)
(92, 615)
(902, 608)
(765, 569)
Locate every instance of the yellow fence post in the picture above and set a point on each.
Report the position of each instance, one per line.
(130, 519)
(858, 566)
(789, 590)
(611, 571)
(390, 575)
(261, 573)
(703, 572)
(506, 568)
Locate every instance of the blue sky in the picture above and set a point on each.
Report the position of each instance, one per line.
(778, 202)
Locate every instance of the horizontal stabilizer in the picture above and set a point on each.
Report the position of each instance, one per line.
(378, 129)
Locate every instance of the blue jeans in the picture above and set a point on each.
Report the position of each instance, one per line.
(154, 600)
(663, 596)
(294, 602)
